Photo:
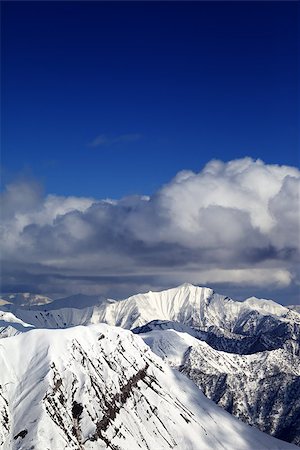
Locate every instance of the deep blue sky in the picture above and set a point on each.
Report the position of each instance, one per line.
(194, 80)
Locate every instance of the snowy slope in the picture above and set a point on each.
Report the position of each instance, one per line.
(98, 387)
(11, 325)
(262, 389)
(239, 327)
(185, 304)
(194, 306)
(295, 308)
(77, 301)
(57, 318)
(57, 314)
(197, 307)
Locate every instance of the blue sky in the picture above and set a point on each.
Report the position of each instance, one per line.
(112, 100)
(108, 99)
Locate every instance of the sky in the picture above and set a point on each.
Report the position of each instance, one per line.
(117, 120)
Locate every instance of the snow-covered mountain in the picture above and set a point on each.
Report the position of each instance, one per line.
(98, 387)
(25, 299)
(295, 308)
(264, 321)
(61, 313)
(252, 346)
(11, 325)
(77, 301)
(261, 389)
(239, 327)
(197, 307)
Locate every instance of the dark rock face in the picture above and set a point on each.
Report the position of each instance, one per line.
(77, 409)
(270, 401)
(22, 434)
(239, 341)
(271, 404)
(103, 400)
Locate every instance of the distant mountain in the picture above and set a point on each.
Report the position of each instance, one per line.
(100, 387)
(239, 327)
(294, 308)
(25, 299)
(61, 313)
(77, 301)
(198, 307)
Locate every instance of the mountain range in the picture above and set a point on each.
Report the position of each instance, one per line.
(244, 356)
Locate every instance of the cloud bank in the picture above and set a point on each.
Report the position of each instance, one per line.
(232, 226)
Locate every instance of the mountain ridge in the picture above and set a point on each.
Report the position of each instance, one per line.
(96, 387)
(244, 331)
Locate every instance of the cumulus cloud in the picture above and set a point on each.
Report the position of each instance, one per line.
(234, 224)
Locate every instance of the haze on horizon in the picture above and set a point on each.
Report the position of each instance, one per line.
(150, 144)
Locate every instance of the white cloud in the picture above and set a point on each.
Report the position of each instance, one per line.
(235, 223)
(249, 277)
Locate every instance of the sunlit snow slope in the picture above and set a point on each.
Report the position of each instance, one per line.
(98, 387)
(197, 307)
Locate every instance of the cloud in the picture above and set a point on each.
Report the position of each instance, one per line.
(234, 225)
(250, 277)
(105, 141)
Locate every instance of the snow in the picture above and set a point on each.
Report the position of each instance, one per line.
(172, 322)
(171, 346)
(265, 306)
(193, 306)
(262, 389)
(77, 301)
(25, 299)
(190, 305)
(108, 371)
(11, 325)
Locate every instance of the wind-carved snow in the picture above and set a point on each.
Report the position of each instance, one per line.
(11, 325)
(98, 387)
